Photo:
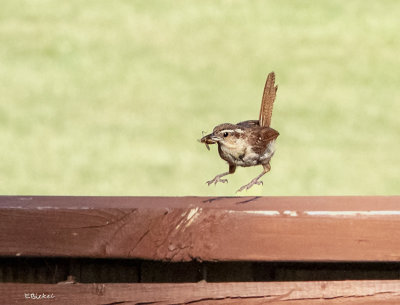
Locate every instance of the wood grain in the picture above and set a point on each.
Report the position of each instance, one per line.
(202, 228)
(295, 293)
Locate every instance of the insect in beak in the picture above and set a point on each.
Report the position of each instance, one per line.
(207, 140)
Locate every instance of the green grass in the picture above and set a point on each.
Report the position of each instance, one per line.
(110, 97)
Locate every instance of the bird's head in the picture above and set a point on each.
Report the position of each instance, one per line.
(224, 134)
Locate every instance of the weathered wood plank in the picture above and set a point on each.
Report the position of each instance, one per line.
(296, 293)
(209, 229)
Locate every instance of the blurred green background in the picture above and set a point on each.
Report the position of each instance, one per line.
(110, 97)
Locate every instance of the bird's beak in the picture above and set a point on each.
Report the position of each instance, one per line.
(209, 139)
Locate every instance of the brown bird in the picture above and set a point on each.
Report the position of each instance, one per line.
(247, 143)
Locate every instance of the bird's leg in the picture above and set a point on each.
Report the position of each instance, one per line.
(267, 168)
(217, 178)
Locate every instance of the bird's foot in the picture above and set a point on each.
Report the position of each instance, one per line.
(217, 179)
(250, 184)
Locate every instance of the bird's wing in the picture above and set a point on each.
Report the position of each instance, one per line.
(268, 100)
(261, 138)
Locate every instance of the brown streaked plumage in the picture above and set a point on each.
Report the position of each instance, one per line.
(247, 143)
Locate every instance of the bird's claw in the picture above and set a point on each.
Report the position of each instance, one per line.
(249, 185)
(216, 180)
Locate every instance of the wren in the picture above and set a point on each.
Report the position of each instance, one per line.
(247, 143)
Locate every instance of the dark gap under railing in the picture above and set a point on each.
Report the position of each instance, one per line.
(84, 270)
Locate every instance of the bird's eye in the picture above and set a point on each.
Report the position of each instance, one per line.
(225, 134)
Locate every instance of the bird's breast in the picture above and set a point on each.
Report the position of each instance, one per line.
(243, 154)
(239, 154)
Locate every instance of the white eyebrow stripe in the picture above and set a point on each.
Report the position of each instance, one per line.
(231, 130)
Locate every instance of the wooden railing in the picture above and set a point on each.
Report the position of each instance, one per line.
(242, 240)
